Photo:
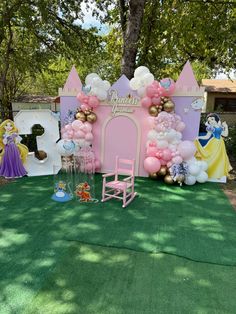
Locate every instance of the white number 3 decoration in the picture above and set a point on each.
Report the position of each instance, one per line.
(24, 121)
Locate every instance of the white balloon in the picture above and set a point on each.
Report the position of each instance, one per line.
(194, 169)
(65, 147)
(141, 71)
(162, 144)
(96, 82)
(148, 78)
(152, 135)
(102, 94)
(94, 91)
(141, 91)
(90, 77)
(171, 135)
(202, 177)
(190, 180)
(135, 83)
(203, 165)
(106, 85)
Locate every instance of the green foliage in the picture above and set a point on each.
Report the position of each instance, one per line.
(230, 142)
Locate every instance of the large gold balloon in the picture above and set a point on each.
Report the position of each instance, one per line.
(80, 116)
(168, 179)
(169, 106)
(153, 175)
(92, 117)
(153, 111)
(162, 171)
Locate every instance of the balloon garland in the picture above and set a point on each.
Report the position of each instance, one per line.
(167, 155)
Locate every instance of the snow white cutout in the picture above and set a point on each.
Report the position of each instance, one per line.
(60, 194)
(214, 152)
(13, 153)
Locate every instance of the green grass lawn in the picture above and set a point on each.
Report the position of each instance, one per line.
(172, 250)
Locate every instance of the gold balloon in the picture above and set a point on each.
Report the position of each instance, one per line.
(180, 178)
(162, 171)
(169, 106)
(153, 111)
(153, 175)
(168, 179)
(92, 117)
(80, 116)
(86, 112)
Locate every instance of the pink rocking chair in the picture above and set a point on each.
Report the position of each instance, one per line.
(120, 188)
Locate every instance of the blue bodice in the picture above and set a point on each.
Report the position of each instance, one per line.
(217, 132)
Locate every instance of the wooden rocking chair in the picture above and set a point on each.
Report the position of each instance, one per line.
(120, 188)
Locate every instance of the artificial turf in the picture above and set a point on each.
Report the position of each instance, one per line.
(41, 243)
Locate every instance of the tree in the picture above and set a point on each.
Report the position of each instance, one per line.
(172, 32)
(33, 33)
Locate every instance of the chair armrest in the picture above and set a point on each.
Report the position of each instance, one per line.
(128, 178)
(108, 175)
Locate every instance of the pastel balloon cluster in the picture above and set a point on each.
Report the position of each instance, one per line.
(165, 147)
(142, 78)
(66, 147)
(155, 91)
(80, 132)
(197, 171)
(88, 102)
(95, 86)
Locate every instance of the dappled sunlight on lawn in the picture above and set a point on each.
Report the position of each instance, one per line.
(36, 233)
(93, 279)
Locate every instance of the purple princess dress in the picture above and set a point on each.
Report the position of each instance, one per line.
(11, 165)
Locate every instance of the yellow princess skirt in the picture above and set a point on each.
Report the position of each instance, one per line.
(214, 153)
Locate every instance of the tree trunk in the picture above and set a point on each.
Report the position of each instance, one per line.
(130, 46)
(5, 103)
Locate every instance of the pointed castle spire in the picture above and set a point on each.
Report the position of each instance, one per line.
(73, 84)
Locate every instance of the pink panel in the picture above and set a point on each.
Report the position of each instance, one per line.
(120, 140)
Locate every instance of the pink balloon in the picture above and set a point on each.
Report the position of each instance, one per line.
(84, 107)
(151, 91)
(146, 102)
(155, 84)
(169, 164)
(79, 134)
(65, 136)
(97, 164)
(177, 160)
(89, 137)
(186, 149)
(76, 125)
(160, 128)
(156, 100)
(152, 164)
(93, 101)
(68, 127)
(152, 150)
(180, 126)
(163, 162)
(80, 96)
(166, 154)
(89, 167)
(88, 126)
